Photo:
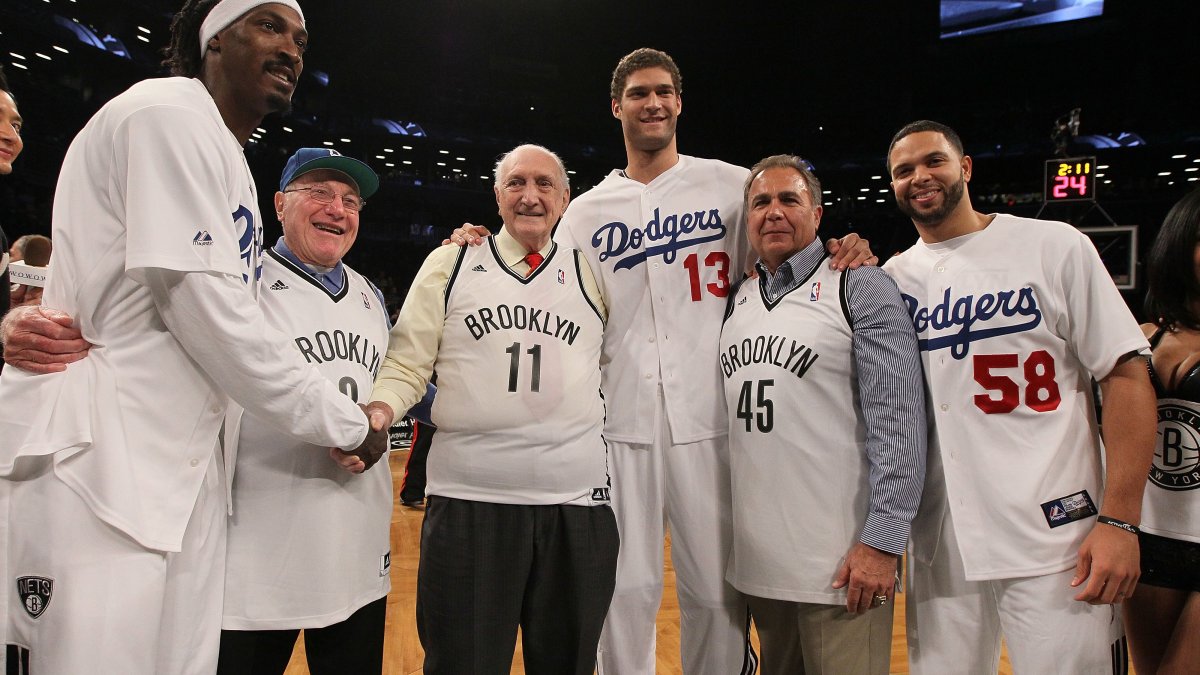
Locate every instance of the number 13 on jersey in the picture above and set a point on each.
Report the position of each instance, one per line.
(715, 259)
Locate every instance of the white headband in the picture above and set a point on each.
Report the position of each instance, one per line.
(228, 11)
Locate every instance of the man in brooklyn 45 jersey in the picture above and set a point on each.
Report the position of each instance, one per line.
(518, 530)
(1023, 531)
(112, 545)
(309, 542)
(826, 437)
(664, 236)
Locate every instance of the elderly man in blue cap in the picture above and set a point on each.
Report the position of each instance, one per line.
(308, 542)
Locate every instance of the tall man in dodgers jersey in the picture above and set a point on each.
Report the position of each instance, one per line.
(826, 437)
(113, 495)
(518, 530)
(309, 543)
(665, 238)
(1023, 531)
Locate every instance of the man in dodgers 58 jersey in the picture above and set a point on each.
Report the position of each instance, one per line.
(1023, 530)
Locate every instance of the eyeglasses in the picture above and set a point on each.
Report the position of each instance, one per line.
(325, 196)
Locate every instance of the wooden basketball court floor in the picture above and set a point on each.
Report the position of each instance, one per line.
(402, 649)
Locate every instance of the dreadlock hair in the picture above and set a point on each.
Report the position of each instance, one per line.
(182, 55)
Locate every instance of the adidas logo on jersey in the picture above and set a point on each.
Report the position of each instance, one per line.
(279, 285)
(202, 238)
(478, 268)
(366, 301)
(600, 494)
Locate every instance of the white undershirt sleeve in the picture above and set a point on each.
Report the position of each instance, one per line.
(225, 332)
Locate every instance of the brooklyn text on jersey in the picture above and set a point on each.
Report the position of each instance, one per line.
(777, 350)
(484, 320)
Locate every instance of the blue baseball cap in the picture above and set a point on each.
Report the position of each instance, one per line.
(311, 159)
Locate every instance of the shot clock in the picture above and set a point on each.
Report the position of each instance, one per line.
(1070, 180)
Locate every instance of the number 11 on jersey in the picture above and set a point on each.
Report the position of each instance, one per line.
(514, 366)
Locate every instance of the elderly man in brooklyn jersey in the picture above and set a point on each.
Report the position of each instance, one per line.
(1023, 532)
(826, 437)
(308, 542)
(518, 528)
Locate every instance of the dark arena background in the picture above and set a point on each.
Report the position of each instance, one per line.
(430, 93)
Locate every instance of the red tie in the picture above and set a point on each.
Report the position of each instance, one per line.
(533, 260)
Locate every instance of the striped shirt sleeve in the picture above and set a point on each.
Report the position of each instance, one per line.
(891, 389)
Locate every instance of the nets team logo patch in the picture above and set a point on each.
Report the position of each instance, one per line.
(1176, 464)
(35, 594)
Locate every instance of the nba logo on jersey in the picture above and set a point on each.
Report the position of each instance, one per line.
(35, 594)
(815, 295)
(562, 277)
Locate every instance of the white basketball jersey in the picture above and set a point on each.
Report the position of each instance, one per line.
(309, 542)
(518, 409)
(665, 256)
(796, 439)
(1013, 322)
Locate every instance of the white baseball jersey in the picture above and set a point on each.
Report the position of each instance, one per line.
(665, 255)
(308, 542)
(796, 439)
(1013, 322)
(518, 409)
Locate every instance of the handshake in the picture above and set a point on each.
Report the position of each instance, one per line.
(373, 447)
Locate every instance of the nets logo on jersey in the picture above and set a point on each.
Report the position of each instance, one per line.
(955, 318)
(35, 593)
(1177, 453)
(615, 239)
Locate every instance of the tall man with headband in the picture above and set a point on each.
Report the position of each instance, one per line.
(113, 490)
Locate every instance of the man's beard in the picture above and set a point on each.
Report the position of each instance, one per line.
(951, 196)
